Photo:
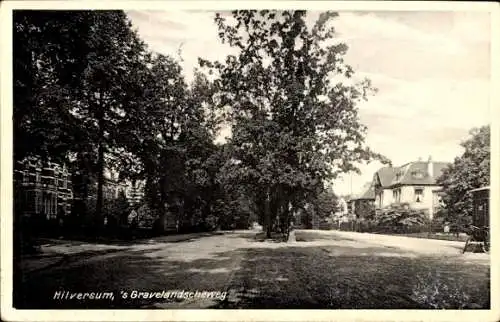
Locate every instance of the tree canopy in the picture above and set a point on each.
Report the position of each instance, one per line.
(88, 91)
(469, 171)
(294, 116)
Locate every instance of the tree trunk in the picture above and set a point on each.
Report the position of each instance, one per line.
(163, 194)
(100, 167)
(267, 213)
(100, 184)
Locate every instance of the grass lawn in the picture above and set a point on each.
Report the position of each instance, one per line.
(319, 271)
(356, 277)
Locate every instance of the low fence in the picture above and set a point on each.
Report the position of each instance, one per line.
(371, 227)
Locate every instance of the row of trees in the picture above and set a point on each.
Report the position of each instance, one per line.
(88, 92)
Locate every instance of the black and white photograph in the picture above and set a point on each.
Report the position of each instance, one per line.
(182, 158)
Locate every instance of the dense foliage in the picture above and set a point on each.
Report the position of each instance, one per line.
(364, 209)
(293, 126)
(400, 215)
(397, 218)
(469, 171)
(88, 92)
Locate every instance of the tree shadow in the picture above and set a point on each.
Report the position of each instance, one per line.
(127, 271)
(265, 277)
(293, 279)
(309, 236)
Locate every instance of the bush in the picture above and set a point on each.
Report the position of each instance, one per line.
(438, 293)
(402, 218)
(396, 219)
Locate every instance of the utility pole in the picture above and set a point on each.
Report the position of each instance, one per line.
(354, 202)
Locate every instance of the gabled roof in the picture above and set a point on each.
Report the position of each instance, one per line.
(385, 176)
(367, 193)
(416, 173)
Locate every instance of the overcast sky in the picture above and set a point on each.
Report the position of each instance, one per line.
(432, 70)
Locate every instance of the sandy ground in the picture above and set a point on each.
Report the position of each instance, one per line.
(414, 246)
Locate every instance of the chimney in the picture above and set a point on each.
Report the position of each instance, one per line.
(430, 167)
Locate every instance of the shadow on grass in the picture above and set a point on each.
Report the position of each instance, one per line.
(143, 238)
(291, 277)
(307, 278)
(309, 236)
(259, 236)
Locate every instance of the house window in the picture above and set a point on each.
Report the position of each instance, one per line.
(380, 200)
(396, 194)
(54, 204)
(419, 194)
(30, 201)
(417, 175)
(49, 206)
(38, 202)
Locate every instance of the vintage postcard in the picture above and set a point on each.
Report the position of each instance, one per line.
(187, 161)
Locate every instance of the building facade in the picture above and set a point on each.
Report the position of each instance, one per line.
(42, 189)
(49, 190)
(414, 183)
(382, 183)
(134, 191)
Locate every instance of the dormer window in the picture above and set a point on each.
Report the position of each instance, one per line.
(417, 175)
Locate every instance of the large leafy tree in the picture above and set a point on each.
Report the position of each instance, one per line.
(48, 60)
(76, 75)
(469, 171)
(170, 141)
(293, 125)
(154, 127)
(326, 203)
(113, 56)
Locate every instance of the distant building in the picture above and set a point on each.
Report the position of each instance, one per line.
(42, 189)
(360, 204)
(49, 189)
(413, 183)
(134, 191)
(342, 207)
(382, 183)
(85, 191)
(113, 186)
